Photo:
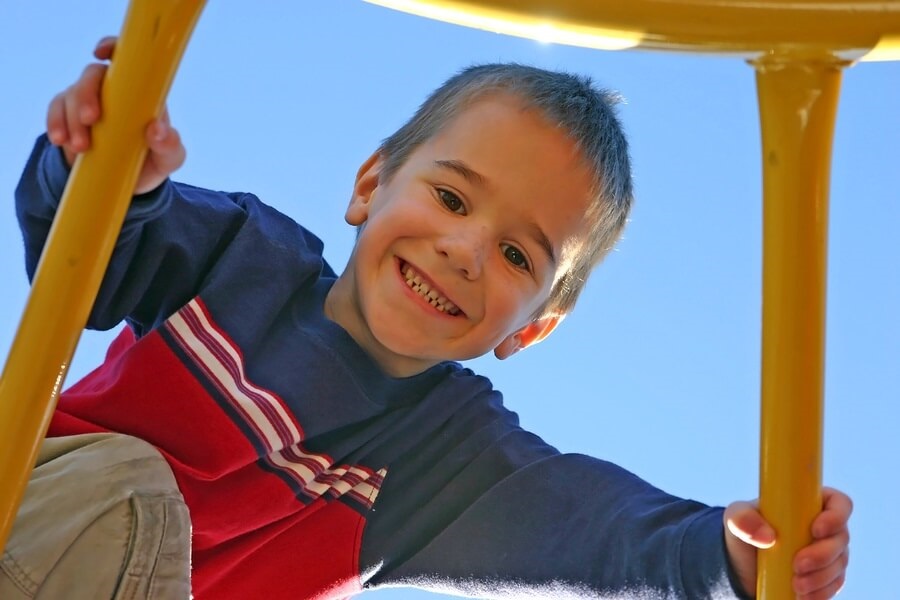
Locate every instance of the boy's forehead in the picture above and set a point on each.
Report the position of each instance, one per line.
(478, 117)
(501, 125)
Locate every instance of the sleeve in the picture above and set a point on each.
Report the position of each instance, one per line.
(169, 241)
(487, 509)
(572, 526)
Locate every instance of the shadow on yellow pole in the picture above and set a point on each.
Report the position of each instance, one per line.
(84, 232)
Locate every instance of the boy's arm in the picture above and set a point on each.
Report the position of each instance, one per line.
(171, 234)
(572, 526)
(563, 525)
(169, 241)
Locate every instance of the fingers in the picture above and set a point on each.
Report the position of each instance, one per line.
(57, 130)
(821, 553)
(821, 567)
(82, 106)
(836, 510)
(72, 112)
(166, 150)
(166, 154)
(105, 47)
(831, 535)
(823, 583)
(746, 523)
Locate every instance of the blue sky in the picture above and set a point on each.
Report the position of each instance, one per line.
(658, 367)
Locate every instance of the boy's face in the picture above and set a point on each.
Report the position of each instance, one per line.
(462, 245)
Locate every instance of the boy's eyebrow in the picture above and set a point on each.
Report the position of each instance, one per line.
(461, 168)
(542, 240)
(476, 178)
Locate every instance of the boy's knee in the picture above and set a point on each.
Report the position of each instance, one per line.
(102, 514)
(117, 464)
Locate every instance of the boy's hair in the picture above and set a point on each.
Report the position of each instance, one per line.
(571, 102)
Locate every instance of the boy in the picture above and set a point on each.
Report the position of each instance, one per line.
(314, 425)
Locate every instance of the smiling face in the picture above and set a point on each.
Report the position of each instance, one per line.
(462, 245)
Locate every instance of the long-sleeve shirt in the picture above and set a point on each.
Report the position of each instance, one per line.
(309, 472)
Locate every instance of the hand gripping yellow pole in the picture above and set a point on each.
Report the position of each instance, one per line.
(798, 96)
(84, 232)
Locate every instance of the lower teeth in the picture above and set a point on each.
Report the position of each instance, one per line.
(417, 289)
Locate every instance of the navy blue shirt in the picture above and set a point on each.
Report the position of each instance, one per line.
(310, 473)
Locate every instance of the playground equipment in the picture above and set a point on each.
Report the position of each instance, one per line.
(798, 49)
(84, 232)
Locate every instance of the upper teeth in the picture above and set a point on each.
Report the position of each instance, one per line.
(421, 287)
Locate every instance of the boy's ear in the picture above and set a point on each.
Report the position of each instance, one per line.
(364, 190)
(531, 334)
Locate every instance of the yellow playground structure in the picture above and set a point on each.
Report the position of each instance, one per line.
(798, 49)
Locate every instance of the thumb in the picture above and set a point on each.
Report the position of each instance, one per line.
(166, 154)
(745, 522)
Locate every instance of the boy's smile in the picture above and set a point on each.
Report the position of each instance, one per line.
(428, 291)
(462, 244)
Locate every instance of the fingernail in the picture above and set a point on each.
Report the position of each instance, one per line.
(765, 534)
(160, 131)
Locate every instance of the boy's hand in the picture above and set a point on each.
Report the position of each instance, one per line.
(74, 111)
(819, 569)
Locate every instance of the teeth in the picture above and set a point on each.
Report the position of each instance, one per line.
(414, 281)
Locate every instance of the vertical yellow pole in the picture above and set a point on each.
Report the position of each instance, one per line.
(81, 240)
(798, 102)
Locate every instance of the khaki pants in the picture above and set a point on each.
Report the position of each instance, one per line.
(102, 518)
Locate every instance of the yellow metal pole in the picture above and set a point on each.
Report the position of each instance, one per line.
(798, 97)
(734, 26)
(152, 41)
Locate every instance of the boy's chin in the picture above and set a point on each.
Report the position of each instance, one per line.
(404, 354)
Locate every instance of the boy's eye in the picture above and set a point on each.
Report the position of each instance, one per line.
(451, 201)
(515, 256)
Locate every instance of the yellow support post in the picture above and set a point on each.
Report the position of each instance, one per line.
(798, 98)
(152, 41)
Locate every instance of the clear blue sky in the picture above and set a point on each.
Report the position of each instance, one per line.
(657, 369)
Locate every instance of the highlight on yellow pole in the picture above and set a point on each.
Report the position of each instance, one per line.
(887, 48)
(151, 43)
(848, 28)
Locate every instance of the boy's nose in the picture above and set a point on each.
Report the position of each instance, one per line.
(465, 251)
